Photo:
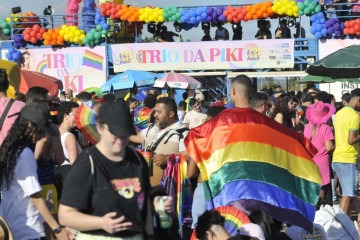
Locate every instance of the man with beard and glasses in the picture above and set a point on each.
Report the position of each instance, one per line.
(162, 138)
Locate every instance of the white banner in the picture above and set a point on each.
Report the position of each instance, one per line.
(211, 55)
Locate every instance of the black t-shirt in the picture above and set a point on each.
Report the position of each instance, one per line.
(121, 187)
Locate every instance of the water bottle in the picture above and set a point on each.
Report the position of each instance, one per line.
(165, 218)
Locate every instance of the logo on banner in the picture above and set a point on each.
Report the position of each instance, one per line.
(125, 56)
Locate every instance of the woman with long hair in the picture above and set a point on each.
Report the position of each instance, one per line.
(284, 111)
(22, 205)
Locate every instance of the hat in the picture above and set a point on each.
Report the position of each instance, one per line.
(252, 230)
(199, 95)
(39, 114)
(319, 112)
(117, 117)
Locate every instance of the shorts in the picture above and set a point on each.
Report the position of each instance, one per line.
(348, 178)
(199, 204)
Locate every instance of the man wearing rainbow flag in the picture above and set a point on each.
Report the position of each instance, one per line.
(251, 162)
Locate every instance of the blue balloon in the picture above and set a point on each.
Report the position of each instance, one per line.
(198, 11)
(313, 18)
(324, 31)
(198, 19)
(313, 29)
(318, 27)
(8, 56)
(322, 20)
(203, 15)
(11, 50)
(318, 35)
(106, 26)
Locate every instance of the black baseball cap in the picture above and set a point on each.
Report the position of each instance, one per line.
(39, 114)
(118, 119)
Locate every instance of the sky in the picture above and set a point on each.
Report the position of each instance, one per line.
(249, 28)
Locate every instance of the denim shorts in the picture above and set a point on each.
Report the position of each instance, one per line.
(348, 177)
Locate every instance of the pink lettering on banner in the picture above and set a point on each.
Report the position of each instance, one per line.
(214, 52)
(188, 55)
(200, 56)
(76, 83)
(231, 55)
(154, 56)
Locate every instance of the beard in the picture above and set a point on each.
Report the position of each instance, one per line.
(163, 124)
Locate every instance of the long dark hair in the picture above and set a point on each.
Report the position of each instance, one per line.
(20, 136)
(281, 106)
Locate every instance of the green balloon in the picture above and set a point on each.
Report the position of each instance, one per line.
(104, 32)
(307, 11)
(97, 41)
(85, 40)
(312, 5)
(99, 27)
(318, 9)
(301, 12)
(6, 31)
(3, 25)
(306, 3)
(90, 36)
(301, 5)
(93, 31)
(97, 36)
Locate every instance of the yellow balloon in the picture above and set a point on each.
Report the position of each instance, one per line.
(161, 19)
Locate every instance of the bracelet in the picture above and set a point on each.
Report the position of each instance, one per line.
(57, 230)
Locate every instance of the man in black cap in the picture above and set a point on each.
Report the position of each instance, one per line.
(106, 190)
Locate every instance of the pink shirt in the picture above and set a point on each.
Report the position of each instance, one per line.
(8, 122)
(323, 133)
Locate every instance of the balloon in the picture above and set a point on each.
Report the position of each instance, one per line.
(318, 35)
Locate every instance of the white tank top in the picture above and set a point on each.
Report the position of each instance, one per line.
(66, 153)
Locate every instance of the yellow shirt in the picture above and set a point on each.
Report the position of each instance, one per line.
(346, 120)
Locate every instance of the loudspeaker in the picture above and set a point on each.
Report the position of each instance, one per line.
(16, 10)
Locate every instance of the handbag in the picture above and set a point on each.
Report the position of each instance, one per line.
(5, 233)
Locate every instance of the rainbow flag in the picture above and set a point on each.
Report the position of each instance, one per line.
(86, 123)
(93, 60)
(178, 185)
(251, 162)
(142, 117)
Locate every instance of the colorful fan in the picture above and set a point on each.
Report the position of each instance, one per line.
(234, 219)
(86, 123)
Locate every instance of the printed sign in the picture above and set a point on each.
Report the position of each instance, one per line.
(77, 67)
(204, 55)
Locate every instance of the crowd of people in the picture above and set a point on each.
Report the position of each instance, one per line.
(57, 185)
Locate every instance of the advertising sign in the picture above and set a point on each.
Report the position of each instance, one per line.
(210, 55)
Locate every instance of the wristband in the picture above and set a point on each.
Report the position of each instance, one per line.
(57, 230)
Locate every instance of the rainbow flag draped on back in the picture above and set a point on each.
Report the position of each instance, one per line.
(251, 162)
(142, 117)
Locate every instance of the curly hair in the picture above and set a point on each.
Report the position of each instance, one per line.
(65, 108)
(20, 136)
(206, 220)
(281, 106)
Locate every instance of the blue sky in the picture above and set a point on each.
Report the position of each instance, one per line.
(249, 28)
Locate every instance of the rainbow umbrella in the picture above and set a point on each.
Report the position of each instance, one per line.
(234, 219)
(86, 123)
(96, 90)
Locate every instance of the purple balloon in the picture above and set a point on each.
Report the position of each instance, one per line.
(222, 18)
(330, 30)
(219, 12)
(337, 26)
(209, 19)
(337, 32)
(209, 10)
(17, 45)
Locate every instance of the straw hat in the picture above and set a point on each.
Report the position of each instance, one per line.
(319, 112)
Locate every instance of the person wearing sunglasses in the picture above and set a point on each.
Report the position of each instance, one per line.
(260, 102)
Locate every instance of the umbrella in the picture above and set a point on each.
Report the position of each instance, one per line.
(177, 80)
(86, 123)
(234, 219)
(127, 79)
(344, 63)
(96, 90)
(31, 79)
(324, 79)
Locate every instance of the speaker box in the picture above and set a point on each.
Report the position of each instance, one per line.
(16, 10)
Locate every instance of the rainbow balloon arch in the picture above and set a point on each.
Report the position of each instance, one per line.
(109, 12)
